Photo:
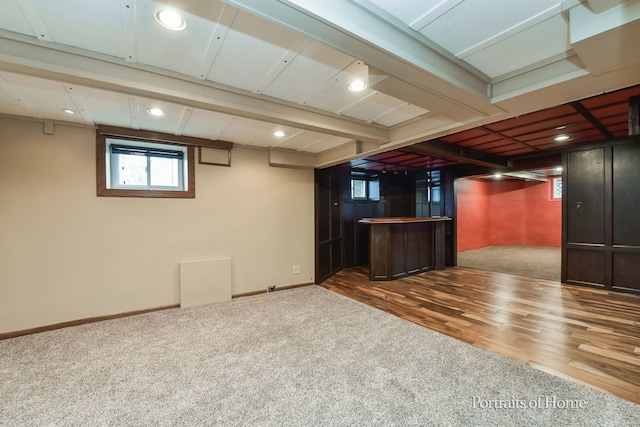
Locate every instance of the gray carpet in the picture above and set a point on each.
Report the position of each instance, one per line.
(297, 357)
(539, 262)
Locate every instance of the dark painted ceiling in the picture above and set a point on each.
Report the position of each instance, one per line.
(523, 142)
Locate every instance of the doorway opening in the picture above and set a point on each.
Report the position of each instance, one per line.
(511, 223)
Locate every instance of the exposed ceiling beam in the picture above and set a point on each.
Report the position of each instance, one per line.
(603, 39)
(541, 161)
(598, 6)
(24, 55)
(461, 154)
(392, 49)
(470, 171)
(591, 119)
(527, 176)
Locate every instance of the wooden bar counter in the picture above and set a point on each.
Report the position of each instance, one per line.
(403, 246)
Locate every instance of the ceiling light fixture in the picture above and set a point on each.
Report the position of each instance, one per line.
(170, 19)
(69, 111)
(558, 169)
(561, 138)
(498, 175)
(357, 85)
(279, 133)
(156, 112)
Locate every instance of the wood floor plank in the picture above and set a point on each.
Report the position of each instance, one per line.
(610, 354)
(588, 335)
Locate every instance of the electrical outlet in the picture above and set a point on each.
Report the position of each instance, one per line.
(296, 269)
(271, 288)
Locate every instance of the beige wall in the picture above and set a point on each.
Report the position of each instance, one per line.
(66, 254)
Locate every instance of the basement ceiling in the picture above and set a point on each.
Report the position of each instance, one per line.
(513, 142)
(439, 72)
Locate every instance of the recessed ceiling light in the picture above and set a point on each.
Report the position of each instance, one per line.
(498, 175)
(561, 138)
(156, 112)
(69, 111)
(279, 133)
(357, 85)
(170, 19)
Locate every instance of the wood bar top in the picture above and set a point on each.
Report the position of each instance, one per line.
(403, 220)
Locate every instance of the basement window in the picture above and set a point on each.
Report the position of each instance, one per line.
(365, 186)
(433, 186)
(133, 168)
(556, 188)
(432, 202)
(143, 166)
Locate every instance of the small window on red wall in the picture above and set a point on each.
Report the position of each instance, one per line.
(556, 188)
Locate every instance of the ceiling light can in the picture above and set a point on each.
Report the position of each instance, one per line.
(156, 112)
(170, 20)
(357, 85)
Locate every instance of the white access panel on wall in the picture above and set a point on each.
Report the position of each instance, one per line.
(205, 282)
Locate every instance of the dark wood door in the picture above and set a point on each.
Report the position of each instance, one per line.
(584, 198)
(625, 271)
(328, 223)
(601, 216)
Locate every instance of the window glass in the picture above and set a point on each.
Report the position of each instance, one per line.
(365, 186)
(358, 189)
(146, 166)
(128, 170)
(374, 189)
(165, 172)
(433, 193)
(557, 188)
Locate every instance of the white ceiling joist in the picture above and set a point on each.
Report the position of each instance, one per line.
(32, 58)
(358, 32)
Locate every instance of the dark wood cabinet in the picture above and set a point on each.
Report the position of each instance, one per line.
(404, 246)
(328, 224)
(625, 207)
(601, 224)
(585, 196)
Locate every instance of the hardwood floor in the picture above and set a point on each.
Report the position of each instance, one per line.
(587, 335)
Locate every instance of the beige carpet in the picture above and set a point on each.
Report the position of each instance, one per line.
(300, 357)
(539, 262)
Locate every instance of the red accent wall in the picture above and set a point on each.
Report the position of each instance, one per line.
(473, 214)
(503, 213)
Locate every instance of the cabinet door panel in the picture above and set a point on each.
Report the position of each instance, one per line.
(626, 195)
(427, 236)
(585, 196)
(626, 271)
(397, 249)
(585, 266)
(412, 248)
(323, 205)
(323, 261)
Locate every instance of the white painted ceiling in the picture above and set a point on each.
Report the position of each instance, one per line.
(244, 68)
